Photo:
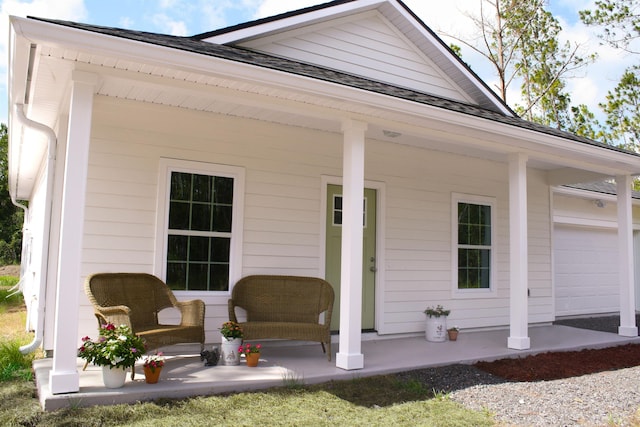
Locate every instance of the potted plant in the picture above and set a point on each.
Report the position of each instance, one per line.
(251, 353)
(436, 325)
(231, 340)
(116, 349)
(152, 367)
(453, 333)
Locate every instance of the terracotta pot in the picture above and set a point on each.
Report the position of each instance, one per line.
(453, 335)
(252, 359)
(151, 376)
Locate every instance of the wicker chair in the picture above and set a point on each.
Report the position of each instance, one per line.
(134, 299)
(284, 307)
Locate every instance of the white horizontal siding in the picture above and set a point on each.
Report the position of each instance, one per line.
(365, 45)
(418, 268)
(282, 189)
(282, 218)
(580, 211)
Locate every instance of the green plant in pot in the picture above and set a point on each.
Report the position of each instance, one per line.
(436, 324)
(437, 311)
(116, 348)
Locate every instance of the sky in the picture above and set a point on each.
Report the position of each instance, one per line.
(190, 17)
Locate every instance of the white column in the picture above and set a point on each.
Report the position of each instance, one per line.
(350, 354)
(628, 326)
(64, 377)
(518, 254)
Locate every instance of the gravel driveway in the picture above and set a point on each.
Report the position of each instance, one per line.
(601, 399)
(605, 398)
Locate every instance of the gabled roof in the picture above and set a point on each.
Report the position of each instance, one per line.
(395, 12)
(259, 59)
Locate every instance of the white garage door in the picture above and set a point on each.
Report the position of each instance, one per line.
(586, 270)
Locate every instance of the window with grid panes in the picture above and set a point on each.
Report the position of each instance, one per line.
(200, 219)
(474, 245)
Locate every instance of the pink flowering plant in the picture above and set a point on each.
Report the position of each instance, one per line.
(231, 330)
(154, 361)
(116, 346)
(248, 348)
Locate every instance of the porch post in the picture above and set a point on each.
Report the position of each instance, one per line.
(64, 377)
(349, 355)
(518, 253)
(628, 326)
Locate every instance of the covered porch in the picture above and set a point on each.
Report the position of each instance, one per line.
(185, 375)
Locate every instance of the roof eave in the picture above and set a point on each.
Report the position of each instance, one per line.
(613, 160)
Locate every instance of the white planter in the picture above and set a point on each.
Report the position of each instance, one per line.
(436, 329)
(229, 354)
(114, 377)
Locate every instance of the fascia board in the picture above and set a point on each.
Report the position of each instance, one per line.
(287, 23)
(590, 195)
(456, 63)
(18, 64)
(586, 194)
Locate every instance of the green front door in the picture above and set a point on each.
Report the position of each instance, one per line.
(333, 254)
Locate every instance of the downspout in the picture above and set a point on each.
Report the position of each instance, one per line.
(51, 160)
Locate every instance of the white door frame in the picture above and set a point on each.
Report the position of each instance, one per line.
(380, 241)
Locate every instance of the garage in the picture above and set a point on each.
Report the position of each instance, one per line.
(586, 270)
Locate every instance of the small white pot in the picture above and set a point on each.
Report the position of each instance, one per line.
(229, 354)
(114, 377)
(436, 329)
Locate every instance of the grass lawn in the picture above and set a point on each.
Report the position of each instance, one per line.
(372, 401)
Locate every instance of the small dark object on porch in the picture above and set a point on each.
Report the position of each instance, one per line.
(211, 357)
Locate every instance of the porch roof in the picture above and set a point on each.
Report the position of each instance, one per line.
(186, 72)
(260, 59)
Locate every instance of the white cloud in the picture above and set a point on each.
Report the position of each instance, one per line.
(55, 9)
(214, 14)
(275, 7)
(126, 22)
(60, 9)
(169, 26)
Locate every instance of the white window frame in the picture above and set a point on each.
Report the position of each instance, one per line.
(457, 198)
(166, 168)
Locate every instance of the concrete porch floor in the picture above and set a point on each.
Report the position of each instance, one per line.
(185, 375)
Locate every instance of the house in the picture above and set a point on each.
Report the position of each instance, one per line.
(251, 149)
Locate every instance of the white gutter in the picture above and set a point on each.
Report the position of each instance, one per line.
(590, 194)
(51, 160)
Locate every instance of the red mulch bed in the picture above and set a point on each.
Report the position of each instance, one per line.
(556, 365)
